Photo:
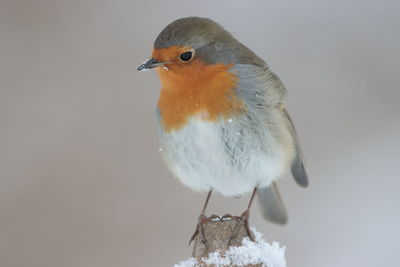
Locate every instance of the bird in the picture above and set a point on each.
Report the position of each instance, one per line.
(221, 118)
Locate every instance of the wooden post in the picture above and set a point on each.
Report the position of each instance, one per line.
(218, 233)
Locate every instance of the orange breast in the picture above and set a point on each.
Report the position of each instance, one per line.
(196, 89)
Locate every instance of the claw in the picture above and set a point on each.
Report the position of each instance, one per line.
(243, 219)
(213, 218)
(201, 221)
(200, 230)
(228, 217)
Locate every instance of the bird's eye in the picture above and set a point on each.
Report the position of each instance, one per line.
(187, 56)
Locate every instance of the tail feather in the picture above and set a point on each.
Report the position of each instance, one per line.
(272, 206)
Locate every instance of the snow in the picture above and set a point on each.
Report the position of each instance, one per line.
(258, 252)
(191, 262)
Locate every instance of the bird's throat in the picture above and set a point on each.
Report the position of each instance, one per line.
(195, 89)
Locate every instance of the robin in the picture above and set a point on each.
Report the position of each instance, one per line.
(221, 119)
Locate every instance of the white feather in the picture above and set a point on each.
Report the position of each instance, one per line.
(223, 155)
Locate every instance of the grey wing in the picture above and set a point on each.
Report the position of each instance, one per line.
(298, 171)
(275, 85)
(272, 207)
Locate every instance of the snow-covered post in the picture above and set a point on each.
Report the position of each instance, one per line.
(242, 251)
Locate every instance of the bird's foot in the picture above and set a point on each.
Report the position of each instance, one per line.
(243, 221)
(200, 229)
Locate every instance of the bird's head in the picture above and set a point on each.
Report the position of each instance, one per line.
(193, 41)
(194, 58)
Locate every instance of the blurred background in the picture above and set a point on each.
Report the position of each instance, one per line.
(82, 183)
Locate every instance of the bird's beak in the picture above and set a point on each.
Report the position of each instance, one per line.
(149, 64)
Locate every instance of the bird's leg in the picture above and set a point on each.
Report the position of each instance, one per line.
(202, 219)
(244, 219)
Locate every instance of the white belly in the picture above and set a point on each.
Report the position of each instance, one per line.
(226, 156)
